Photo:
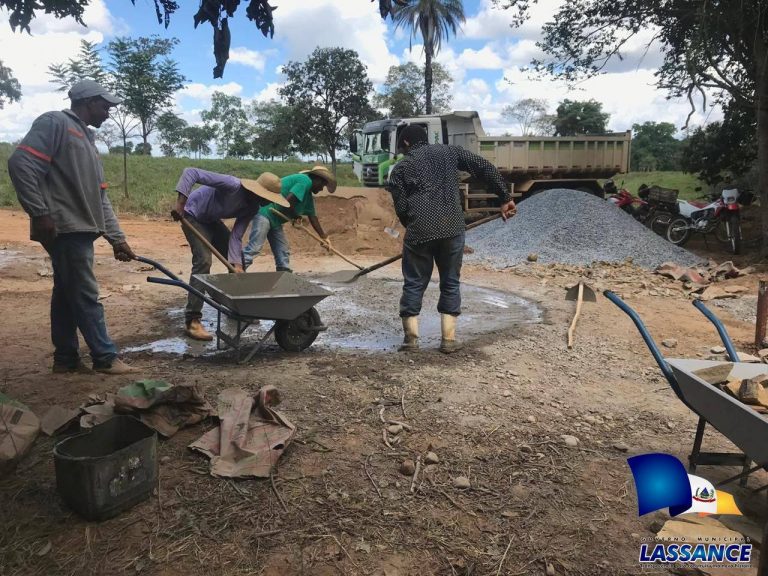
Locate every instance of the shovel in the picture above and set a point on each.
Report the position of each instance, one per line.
(320, 240)
(349, 276)
(186, 225)
(578, 292)
(392, 231)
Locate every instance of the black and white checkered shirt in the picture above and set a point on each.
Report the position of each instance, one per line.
(425, 189)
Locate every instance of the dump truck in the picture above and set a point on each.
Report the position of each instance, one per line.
(530, 164)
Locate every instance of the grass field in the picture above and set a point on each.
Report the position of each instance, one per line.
(152, 181)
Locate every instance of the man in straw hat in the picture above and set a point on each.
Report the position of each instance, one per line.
(220, 196)
(59, 180)
(298, 190)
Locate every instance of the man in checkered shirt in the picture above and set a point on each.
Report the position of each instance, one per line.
(425, 189)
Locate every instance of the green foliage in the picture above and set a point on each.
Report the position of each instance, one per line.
(654, 147)
(404, 93)
(197, 140)
(328, 93)
(722, 149)
(434, 21)
(145, 76)
(273, 129)
(87, 65)
(153, 179)
(685, 183)
(229, 124)
(531, 116)
(170, 129)
(128, 148)
(574, 118)
(10, 89)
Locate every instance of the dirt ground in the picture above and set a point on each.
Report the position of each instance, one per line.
(494, 412)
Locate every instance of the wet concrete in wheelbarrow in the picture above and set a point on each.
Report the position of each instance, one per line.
(363, 316)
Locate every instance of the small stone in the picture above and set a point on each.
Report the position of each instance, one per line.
(407, 468)
(525, 449)
(395, 429)
(570, 441)
(461, 482)
(506, 393)
(550, 570)
(532, 419)
(744, 357)
(383, 483)
(717, 349)
(669, 342)
(431, 458)
(509, 514)
(763, 353)
(621, 447)
(670, 425)
(165, 459)
(533, 257)
(590, 419)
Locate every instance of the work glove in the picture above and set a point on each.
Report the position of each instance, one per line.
(43, 229)
(123, 252)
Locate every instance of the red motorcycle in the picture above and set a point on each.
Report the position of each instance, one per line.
(655, 214)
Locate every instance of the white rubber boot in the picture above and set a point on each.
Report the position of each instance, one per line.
(411, 331)
(449, 343)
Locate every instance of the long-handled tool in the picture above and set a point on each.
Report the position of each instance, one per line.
(320, 240)
(185, 223)
(349, 276)
(578, 292)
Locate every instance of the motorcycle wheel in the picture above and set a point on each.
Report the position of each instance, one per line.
(678, 232)
(733, 226)
(659, 223)
(721, 233)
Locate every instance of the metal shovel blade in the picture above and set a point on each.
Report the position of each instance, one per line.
(588, 294)
(392, 232)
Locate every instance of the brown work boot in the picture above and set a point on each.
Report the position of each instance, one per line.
(449, 344)
(411, 330)
(117, 368)
(196, 331)
(78, 368)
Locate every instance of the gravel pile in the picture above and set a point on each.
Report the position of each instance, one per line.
(571, 227)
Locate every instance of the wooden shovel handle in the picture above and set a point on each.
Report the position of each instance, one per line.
(320, 240)
(576, 315)
(185, 223)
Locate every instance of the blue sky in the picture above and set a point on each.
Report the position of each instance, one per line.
(484, 60)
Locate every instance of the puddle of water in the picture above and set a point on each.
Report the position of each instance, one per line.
(364, 316)
(8, 256)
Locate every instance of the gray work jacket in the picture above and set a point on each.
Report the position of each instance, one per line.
(56, 171)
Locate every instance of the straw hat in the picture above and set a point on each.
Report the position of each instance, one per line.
(266, 186)
(325, 174)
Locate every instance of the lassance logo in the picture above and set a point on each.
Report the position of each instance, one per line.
(662, 482)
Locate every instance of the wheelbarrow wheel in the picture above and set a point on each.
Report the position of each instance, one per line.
(297, 335)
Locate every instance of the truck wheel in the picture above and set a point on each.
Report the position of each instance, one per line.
(296, 335)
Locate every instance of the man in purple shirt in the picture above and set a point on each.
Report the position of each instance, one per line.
(219, 197)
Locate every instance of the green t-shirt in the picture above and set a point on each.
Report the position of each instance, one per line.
(300, 185)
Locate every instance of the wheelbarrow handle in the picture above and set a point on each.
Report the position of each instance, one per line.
(192, 290)
(665, 369)
(726, 339)
(159, 266)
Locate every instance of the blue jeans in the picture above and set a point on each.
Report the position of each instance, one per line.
(418, 261)
(261, 231)
(75, 302)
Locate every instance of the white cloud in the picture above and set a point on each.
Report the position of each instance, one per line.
(485, 58)
(301, 26)
(270, 92)
(250, 58)
(199, 91)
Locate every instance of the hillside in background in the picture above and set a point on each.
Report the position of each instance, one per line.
(152, 180)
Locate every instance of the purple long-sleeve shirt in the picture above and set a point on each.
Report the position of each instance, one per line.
(220, 196)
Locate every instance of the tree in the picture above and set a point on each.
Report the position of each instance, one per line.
(531, 115)
(435, 21)
(404, 93)
(722, 149)
(142, 149)
(146, 77)
(229, 124)
(108, 134)
(196, 139)
(654, 147)
(707, 47)
(171, 130)
(328, 93)
(10, 89)
(216, 12)
(273, 129)
(576, 118)
(125, 149)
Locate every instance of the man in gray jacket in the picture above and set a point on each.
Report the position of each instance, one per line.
(59, 181)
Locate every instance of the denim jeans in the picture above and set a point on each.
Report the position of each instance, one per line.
(218, 235)
(418, 261)
(75, 302)
(261, 231)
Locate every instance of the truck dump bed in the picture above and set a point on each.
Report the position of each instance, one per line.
(561, 157)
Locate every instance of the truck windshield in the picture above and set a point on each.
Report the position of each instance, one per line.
(373, 142)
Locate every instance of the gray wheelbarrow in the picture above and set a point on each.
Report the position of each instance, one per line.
(246, 298)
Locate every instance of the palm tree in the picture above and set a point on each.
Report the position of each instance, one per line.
(435, 20)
